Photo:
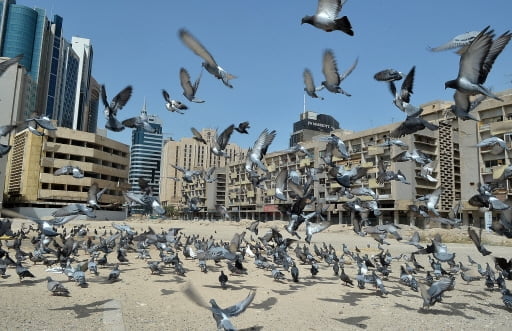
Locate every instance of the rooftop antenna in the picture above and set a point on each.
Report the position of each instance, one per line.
(304, 110)
(144, 108)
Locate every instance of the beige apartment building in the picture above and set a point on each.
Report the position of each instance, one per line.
(191, 154)
(32, 189)
(458, 167)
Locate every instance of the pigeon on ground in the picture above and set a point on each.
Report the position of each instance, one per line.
(476, 61)
(174, 106)
(114, 273)
(325, 17)
(189, 90)
(309, 85)
(75, 171)
(209, 62)
(56, 288)
(223, 279)
(22, 271)
(9, 62)
(332, 78)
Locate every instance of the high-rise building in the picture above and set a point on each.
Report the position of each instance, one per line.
(146, 154)
(83, 48)
(312, 124)
(26, 31)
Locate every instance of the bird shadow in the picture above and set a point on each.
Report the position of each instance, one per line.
(167, 292)
(354, 321)
(453, 309)
(82, 311)
(25, 282)
(252, 328)
(399, 305)
(265, 305)
(495, 306)
(282, 292)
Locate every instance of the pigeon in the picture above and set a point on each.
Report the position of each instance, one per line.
(388, 75)
(188, 175)
(114, 273)
(209, 62)
(223, 279)
(221, 316)
(9, 62)
(298, 148)
(415, 240)
(22, 271)
(4, 131)
(415, 155)
(294, 271)
(74, 209)
(332, 78)
(174, 106)
(457, 41)
(41, 121)
(463, 106)
(197, 135)
(256, 154)
(497, 144)
(94, 194)
(139, 122)
(312, 228)
(309, 85)
(242, 127)
(412, 125)
(221, 142)
(281, 185)
(434, 293)
(476, 61)
(402, 97)
(75, 171)
(325, 17)
(477, 240)
(117, 103)
(56, 288)
(432, 200)
(189, 90)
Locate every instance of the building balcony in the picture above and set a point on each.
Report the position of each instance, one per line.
(374, 150)
(501, 127)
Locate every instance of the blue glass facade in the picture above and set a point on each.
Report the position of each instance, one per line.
(145, 156)
(54, 67)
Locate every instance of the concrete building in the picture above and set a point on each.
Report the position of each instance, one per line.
(32, 189)
(188, 153)
(458, 168)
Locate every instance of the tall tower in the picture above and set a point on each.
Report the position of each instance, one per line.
(145, 154)
(84, 51)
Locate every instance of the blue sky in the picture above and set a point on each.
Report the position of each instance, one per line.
(266, 47)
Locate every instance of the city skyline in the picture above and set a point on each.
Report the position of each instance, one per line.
(269, 59)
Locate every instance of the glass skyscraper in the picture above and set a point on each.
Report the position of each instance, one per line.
(146, 154)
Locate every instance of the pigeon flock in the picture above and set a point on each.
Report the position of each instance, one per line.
(288, 254)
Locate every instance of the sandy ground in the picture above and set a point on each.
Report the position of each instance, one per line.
(141, 301)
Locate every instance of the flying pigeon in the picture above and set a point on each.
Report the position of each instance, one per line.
(242, 127)
(457, 41)
(117, 103)
(412, 125)
(209, 62)
(189, 90)
(174, 106)
(94, 194)
(403, 97)
(197, 135)
(463, 106)
(332, 78)
(325, 17)
(476, 61)
(221, 142)
(309, 85)
(221, 316)
(388, 75)
(141, 121)
(259, 149)
(76, 172)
